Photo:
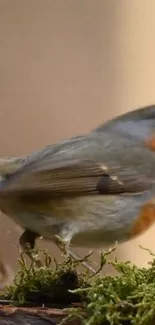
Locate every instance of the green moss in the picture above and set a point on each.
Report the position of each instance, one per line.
(128, 298)
(45, 285)
(125, 299)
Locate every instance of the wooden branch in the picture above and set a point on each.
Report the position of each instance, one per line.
(10, 315)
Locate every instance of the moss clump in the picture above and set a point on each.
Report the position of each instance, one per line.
(125, 299)
(44, 285)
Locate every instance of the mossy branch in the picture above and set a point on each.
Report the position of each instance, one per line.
(127, 298)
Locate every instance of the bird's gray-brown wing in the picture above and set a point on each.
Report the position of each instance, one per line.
(67, 178)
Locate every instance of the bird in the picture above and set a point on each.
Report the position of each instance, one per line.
(90, 190)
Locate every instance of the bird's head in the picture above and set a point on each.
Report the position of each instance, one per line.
(139, 123)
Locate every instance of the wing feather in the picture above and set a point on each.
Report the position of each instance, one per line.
(70, 178)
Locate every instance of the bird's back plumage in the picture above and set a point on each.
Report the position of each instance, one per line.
(79, 164)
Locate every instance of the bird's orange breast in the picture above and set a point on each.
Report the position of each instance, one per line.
(150, 143)
(145, 219)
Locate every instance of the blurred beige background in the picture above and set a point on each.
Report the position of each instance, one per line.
(66, 66)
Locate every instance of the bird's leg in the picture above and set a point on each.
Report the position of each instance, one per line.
(64, 247)
(77, 257)
(27, 243)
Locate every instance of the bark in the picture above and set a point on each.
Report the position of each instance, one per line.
(10, 315)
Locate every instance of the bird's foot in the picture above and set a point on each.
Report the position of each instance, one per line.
(64, 247)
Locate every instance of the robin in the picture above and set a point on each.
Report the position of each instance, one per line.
(90, 190)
